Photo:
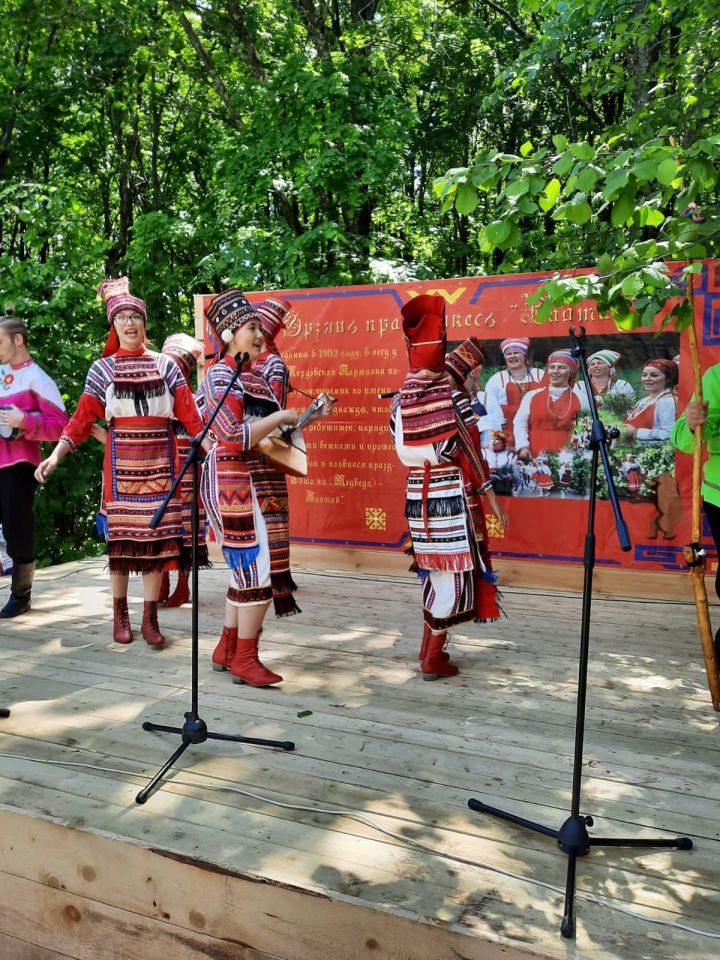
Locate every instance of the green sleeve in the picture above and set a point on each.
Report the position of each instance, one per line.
(682, 437)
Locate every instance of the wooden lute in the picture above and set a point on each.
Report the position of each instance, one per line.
(285, 447)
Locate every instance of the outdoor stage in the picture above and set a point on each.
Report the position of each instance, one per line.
(202, 871)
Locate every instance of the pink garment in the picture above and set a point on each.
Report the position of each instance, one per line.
(27, 386)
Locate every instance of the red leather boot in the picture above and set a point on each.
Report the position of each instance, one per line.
(246, 667)
(164, 588)
(181, 594)
(122, 631)
(225, 650)
(150, 628)
(427, 633)
(436, 663)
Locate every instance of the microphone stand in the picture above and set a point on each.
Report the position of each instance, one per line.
(195, 730)
(572, 837)
(4, 713)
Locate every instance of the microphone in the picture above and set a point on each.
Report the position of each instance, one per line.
(241, 358)
(387, 396)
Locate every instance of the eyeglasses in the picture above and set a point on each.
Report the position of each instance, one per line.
(132, 318)
(123, 321)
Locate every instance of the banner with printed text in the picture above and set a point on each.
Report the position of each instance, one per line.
(533, 419)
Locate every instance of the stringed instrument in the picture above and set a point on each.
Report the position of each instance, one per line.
(285, 447)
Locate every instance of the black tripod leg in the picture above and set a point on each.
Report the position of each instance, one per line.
(155, 782)
(4, 712)
(567, 927)
(512, 818)
(149, 725)
(282, 744)
(678, 843)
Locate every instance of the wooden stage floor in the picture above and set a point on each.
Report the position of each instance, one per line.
(221, 863)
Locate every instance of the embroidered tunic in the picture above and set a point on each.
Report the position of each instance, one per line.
(654, 417)
(546, 419)
(504, 394)
(443, 506)
(138, 393)
(272, 493)
(227, 489)
(27, 386)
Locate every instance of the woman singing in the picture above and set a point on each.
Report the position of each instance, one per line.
(139, 393)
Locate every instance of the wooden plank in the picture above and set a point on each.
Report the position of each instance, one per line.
(174, 903)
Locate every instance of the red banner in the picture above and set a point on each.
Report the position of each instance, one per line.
(348, 342)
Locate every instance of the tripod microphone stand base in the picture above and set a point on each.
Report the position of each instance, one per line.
(574, 840)
(195, 730)
(4, 712)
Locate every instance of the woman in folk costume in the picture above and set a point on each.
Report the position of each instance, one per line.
(432, 426)
(653, 418)
(505, 389)
(250, 413)
(270, 484)
(546, 417)
(139, 393)
(602, 367)
(185, 351)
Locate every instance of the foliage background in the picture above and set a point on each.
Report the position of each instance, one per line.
(290, 143)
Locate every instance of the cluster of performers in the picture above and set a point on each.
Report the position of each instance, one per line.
(527, 413)
(438, 422)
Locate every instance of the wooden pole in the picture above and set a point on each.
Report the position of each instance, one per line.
(694, 554)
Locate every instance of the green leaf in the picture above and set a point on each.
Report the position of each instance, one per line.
(517, 188)
(583, 151)
(605, 263)
(623, 207)
(615, 183)
(498, 231)
(560, 142)
(552, 192)
(667, 171)
(544, 311)
(580, 212)
(564, 164)
(632, 285)
(466, 199)
(526, 149)
(587, 179)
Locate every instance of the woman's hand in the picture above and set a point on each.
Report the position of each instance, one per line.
(502, 517)
(12, 417)
(288, 418)
(100, 433)
(696, 415)
(46, 468)
(207, 444)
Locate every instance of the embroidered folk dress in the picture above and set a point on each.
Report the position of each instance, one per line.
(546, 418)
(138, 393)
(653, 418)
(446, 518)
(227, 488)
(272, 493)
(503, 395)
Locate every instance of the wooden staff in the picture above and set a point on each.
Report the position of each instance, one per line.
(694, 553)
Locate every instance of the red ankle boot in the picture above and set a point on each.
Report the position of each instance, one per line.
(122, 631)
(182, 592)
(150, 628)
(225, 650)
(436, 663)
(164, 588)
(246, 668)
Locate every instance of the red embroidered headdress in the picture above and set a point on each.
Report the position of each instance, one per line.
(425, 333)
(185, 351)
(117, 297)
(465, 358)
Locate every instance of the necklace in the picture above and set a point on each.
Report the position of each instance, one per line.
(553, 413)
